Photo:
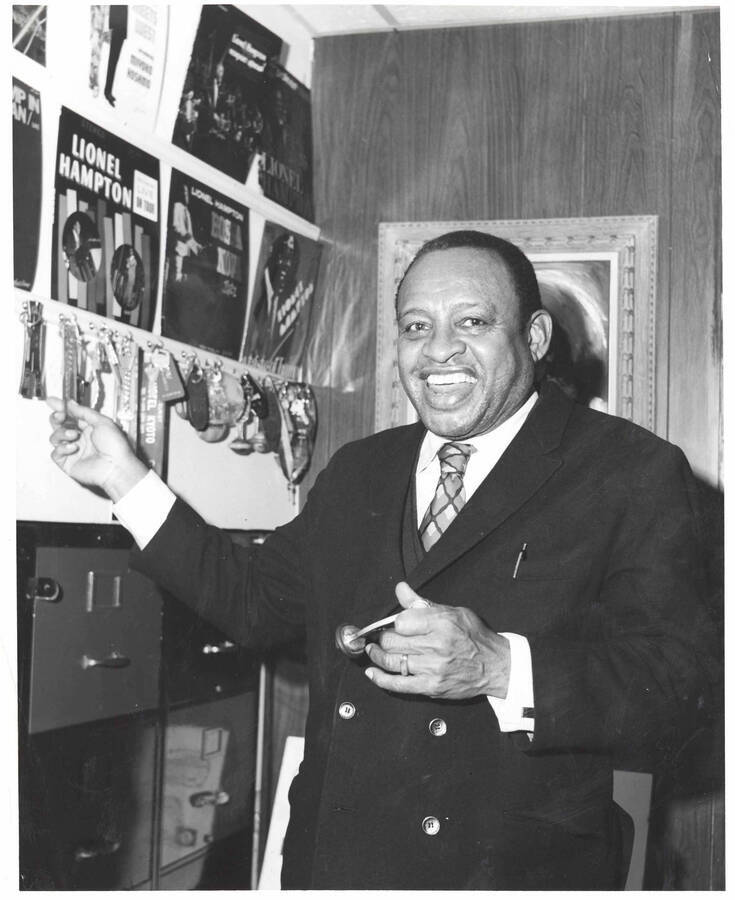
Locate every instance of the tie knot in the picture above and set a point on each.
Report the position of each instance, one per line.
(453, 458)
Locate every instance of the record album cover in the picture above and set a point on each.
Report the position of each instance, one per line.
(206, 273)
(127, 54)
(27, 183)
(29, 31)
(285, 173)
(221, 111)
(283, 294)
(106, 235)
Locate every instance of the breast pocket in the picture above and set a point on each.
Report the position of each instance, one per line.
(545, 570)
(545, 594)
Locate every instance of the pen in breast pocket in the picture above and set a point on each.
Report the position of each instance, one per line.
(519, 560)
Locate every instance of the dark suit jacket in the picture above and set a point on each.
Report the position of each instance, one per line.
(608, 596)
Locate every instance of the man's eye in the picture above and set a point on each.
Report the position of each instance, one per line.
(472, 322)
(414, 327)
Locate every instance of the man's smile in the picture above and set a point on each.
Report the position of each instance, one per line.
(443, 378)
(445, 390)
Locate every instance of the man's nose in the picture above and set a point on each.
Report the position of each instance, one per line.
(444, 344)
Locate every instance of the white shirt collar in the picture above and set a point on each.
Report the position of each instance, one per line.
(493, 442)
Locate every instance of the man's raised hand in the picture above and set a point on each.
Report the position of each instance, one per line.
(94, 452)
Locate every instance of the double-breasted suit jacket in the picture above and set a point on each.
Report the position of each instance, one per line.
(399, 791)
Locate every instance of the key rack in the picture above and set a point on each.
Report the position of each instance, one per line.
(54, 312)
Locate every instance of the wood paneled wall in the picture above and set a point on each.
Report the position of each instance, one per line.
(577, 118)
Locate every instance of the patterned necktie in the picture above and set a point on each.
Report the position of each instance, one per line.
(449, 497)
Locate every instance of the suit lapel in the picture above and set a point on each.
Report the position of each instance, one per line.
(526, 465)
(389, 484)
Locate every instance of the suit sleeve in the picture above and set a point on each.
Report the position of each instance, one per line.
(642, 664)
(255, 595)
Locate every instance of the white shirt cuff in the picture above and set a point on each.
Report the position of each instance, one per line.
(144, 508)
(519, 698)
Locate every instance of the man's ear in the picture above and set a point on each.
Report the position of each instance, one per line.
(540, 326)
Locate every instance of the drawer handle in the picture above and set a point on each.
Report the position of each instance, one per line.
(224, 647)
(95, 849)
(114, 661)
(42, 588)
(209, 798)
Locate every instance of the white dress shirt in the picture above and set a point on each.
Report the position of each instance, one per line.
(489, 447)
(144, 509)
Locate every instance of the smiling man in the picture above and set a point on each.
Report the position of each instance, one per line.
(540, 566)
(468, 334)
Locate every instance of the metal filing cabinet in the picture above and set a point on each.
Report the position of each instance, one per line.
(89, 637)
(137, 728)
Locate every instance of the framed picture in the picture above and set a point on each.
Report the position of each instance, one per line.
(597, 278)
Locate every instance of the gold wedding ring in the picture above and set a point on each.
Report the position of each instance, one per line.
(404, 665)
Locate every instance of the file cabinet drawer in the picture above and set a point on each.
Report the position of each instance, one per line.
(95, 637)
(200, 662)
(89, 818)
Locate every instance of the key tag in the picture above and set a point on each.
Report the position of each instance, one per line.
(110, 375)
(216, 397)
(69, 364)
(265, 407)
(171, 384)
(271, 423)
(198, 402)
(128, 354)
(240, 443)
(182, 406)
(299, 415)
(217, 426)
(90, 384)
(258, 400)
(80, 386)
(285, 451)
(32, 381)
(86, 366)
(258, 440)
(152, 413)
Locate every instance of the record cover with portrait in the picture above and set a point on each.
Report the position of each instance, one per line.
(285, 173)
(27, 183)
(206, 272)
(221, 111)
(283, 295)
(106, 234)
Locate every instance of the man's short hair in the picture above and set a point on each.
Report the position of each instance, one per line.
(517, 264)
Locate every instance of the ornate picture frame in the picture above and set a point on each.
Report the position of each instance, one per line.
(597, 278)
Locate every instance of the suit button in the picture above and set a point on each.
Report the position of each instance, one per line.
(346, 710)
(438, 727)
(431, 825)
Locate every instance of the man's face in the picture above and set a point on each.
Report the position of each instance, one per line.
(463, 357)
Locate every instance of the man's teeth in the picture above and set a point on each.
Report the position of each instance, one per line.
(450, 378)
